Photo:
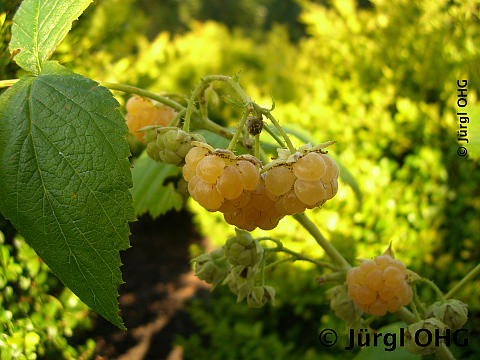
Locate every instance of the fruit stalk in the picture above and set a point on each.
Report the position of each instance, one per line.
(238, 131)
(145, 93)
(280, 129)
(331, 251)
(470, 276)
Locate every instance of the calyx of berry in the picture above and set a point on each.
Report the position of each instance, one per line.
(452, 312)
(243, 250)
(212, 267)
(429, 325)
(343, 306)
(260, 295)
(171, 145)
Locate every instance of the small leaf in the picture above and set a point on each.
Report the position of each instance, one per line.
(150, 193)
(39, 26)
(65, 179)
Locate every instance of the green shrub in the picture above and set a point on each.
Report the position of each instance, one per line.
(38, 316)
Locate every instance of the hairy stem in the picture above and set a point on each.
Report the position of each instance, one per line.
(406, 315)
(280, 130)
(433, 286)
(281, 248)
(238, 131)
(257, 146)
(177, 118)
(467, 278)
(201, 86)
(145, 93)
(274, 136)
(329, 249)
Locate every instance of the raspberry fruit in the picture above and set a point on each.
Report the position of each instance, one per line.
(279, 180)
(143, 112)
(235, 187)
(379, 286)
(310, 167)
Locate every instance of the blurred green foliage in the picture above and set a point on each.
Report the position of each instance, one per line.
(38, 317)
(378, 77)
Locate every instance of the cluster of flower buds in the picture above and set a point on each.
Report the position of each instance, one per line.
(170, 144)
(236, 264)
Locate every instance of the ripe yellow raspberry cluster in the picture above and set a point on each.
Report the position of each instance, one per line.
(219, 180)
(143, 112)
(379, 286)
(307, 182)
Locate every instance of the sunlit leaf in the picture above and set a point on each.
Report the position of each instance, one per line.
(150, 192)
(39, 26)
(65, 179)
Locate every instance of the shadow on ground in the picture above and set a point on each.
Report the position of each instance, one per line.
(158, 281)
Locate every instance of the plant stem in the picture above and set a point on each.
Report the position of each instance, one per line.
(407, 316)
(208, 124)
(299, 256)
(470, 276)
(443, 353)
(275, 263)
(433, 286)
(338, 276)
(263, 157)
(7, 83)
(257, 146)
(262, 271)
(145, 93)
(177, 118)
(329, 249)
(201, 86)
(238, 131)
(273, 135)
(417, 299)
(204, 123)
(280, 129)
(415, 311)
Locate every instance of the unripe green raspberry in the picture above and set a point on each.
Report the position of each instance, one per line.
(171, 145)
(212, 267)
(431, 325)
(153, 150)
(343, 306)
(452, 313)
(243, 250)
(259, 295)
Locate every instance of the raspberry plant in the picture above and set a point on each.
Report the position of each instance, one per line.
(65, 184)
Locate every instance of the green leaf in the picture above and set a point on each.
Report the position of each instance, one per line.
(474, 132)
(65, 179)
(39, 26)
(150, 193)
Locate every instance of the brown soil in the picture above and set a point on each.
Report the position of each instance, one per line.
(158, 280)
